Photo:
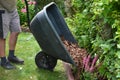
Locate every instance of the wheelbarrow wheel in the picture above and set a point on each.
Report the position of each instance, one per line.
(45, 61)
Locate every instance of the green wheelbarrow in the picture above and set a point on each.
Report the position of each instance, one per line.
(48, 26)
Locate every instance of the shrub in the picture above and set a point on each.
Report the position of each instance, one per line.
(22, 11)
(96, 26)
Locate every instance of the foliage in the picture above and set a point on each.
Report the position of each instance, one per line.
(91, 25)
(34, 7)
(41, 3)
(22, 11)
(96, 26)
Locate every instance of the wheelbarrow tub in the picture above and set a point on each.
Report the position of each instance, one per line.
(47, 27)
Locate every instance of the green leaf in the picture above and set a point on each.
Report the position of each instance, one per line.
(105, 1)
(118, 46)
(105, 47)
(118, 54)
(118, 75)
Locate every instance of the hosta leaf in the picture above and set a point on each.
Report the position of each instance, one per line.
(118, 46)
(118, 54)
(118, 75)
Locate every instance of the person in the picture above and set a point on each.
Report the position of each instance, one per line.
(68, 71)
(9, 22)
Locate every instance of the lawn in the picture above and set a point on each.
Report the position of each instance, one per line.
(27, 48)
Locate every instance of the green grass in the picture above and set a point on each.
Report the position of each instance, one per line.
(27, 48)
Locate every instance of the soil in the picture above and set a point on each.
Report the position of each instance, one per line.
(77, 55)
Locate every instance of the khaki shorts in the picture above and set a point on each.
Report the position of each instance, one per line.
(10, 22)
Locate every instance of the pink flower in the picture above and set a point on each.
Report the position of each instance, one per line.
(93, 65)
(30, 2)
(23, 10)
(22, 0)
(84, 60)
(87, 62)
(88, 66)
(34, 2)
(94, 60)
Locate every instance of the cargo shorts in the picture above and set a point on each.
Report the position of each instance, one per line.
(9, 22)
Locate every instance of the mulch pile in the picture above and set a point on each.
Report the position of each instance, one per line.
(77, 55)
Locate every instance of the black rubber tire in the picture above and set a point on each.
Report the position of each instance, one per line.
(45, 61)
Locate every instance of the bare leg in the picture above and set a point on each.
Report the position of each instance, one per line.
(68, 71)
(4, 62)
(12, 45)
(13, 40)
(2, 47)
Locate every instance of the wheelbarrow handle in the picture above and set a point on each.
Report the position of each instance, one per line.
(27, 13)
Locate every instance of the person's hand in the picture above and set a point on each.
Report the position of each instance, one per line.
(71, 79)
(68, 70)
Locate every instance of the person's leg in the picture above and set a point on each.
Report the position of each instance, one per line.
(2, 47)
(68, 71)
(14, 31)
(12, 43)
(13, 40)
(12, 46)
(4, 29)
(4, 61)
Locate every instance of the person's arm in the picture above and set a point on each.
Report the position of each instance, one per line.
(68, 71)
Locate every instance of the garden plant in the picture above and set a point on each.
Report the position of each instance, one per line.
(96, 26)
